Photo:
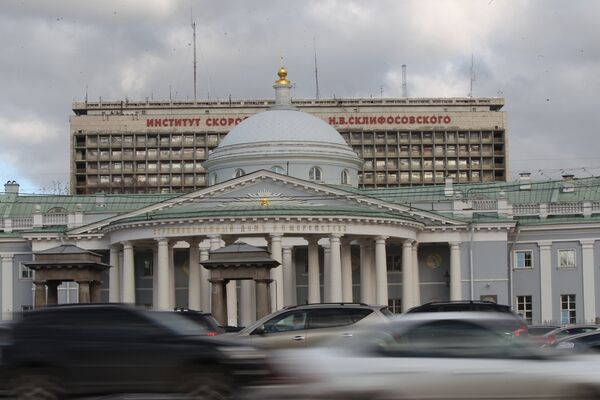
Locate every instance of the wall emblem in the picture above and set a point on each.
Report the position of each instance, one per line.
(266, 198)
(433, 260)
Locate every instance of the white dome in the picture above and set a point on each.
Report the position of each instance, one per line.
(282, 125)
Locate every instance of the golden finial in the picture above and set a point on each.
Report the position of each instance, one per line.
(282, 74)
(264, 202)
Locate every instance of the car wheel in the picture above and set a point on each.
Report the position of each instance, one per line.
(36, 386)
(208, 386)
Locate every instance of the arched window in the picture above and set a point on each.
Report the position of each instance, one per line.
(278, 169)
(213, 179)
(238, 172)
(345, 178)
(315, 174)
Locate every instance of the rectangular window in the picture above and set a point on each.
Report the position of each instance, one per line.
(524, 259)
(25, 273)
(395, 306)
(568, 313)
(524, 308)
(394, 263)
(147, 269)
(566, 258)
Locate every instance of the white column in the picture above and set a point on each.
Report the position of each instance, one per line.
(335, 269)
(155, 276)
(114, 286)
(326, 273)
(204, 283)
(416, 277)
(346, 255)
(455, 273)
(194, 289)
(294, 272)
(277, 288)
(7, 286)
(314, 283)
(162, 272)
(546, 281)
(381, 270)
(407, 276)
(589, 296)
(288, 275)
(172, 301)
(128, 274)
(366, 277)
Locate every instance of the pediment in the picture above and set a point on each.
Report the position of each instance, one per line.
(264, 193)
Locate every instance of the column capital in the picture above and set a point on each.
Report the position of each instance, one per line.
(545, 245)
(276, 236)
(381, 238)
(287, 249)
(407, 243)
(587, 243)
(312, 239)
(127, 243)
(335, 237)
(194, 241)
(213, 236)
(454, 244)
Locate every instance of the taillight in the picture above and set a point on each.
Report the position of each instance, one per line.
(522, 331)
(550, 340)
(212, 333)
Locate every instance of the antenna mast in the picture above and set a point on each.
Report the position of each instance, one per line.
(194, 41)
(472, 78)
(316, 70)
(404, 86)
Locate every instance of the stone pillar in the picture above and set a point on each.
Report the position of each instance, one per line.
(7, 286)
(288, 277)
(277, 272)
(84, 291)
(194, 289)
(204, 282)
(155, 276)
(381, 270)
(546, 281)
(263, 301)
(40, 294)
(219, 306)
(455, 272)
(294, 296)
(416, 276)
(314, 283)
(366, 277)
(346, 259)
(326, 273)
(589, 298)
(114, 286)
(95, 287)
(335, 269)
(407, 276)
(162, 302)
(52, 294)
(247, 299)
(128, 275)
(172, 301)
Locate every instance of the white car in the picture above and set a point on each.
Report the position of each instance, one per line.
(433, 356)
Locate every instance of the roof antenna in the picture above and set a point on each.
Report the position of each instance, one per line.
(404, 85)
(472, 78)
(316, 70)
(194, 41)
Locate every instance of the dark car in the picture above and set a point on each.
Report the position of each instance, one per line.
(588, 342)
(208, 322)
(520, 326)
(540, 330)
(72, 350)
(550, 338)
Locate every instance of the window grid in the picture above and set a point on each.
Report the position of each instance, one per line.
(566, 258)
(523, 259)
(568, 311)
(524, 308)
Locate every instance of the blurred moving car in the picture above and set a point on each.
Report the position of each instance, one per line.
(311, 324)
(433, 356)
(63, 351)
(540, 330)
(206, 320)
(588, 342)
(550, 338)
(473, 306)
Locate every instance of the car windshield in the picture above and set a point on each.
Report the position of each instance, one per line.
(176, 323)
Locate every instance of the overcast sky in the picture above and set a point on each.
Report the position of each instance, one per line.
(543, 57)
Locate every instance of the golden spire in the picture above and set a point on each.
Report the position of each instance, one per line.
(282, 74)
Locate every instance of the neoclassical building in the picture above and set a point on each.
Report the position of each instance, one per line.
(286, 181)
